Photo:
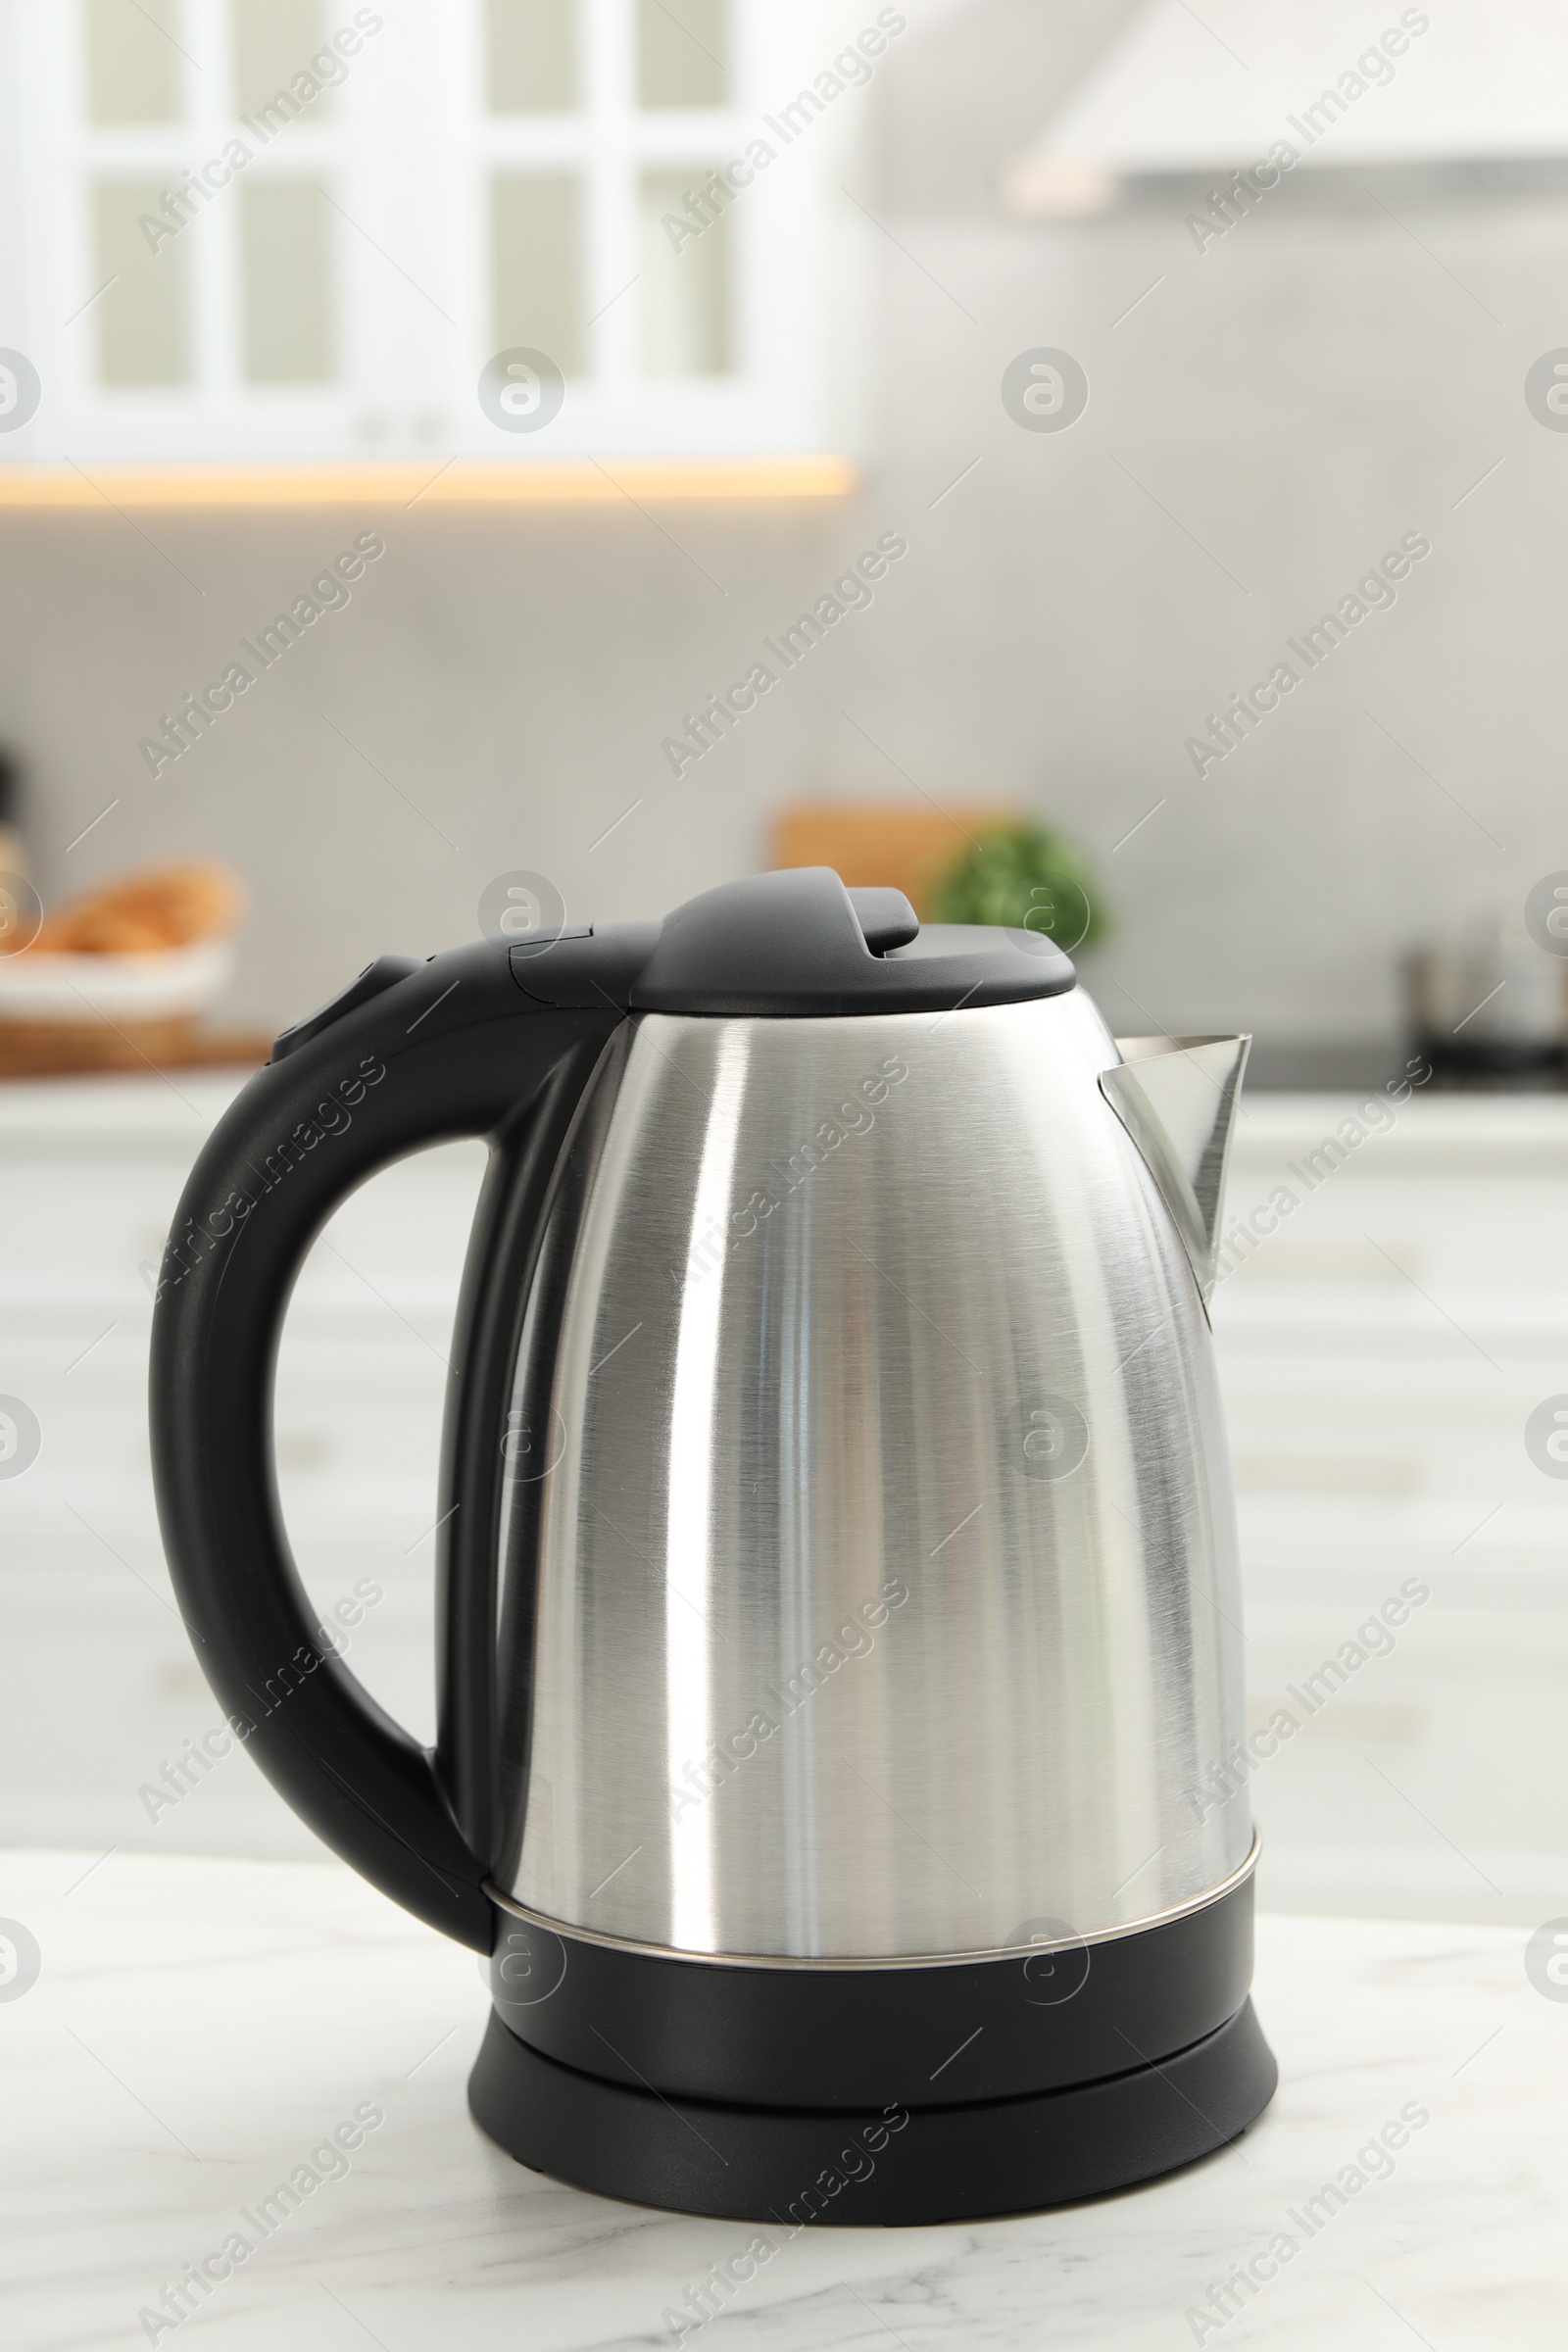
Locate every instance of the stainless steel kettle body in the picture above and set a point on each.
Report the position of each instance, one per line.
(838, 1652)
(881, 1597)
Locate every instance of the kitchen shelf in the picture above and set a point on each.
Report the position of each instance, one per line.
(419, 482)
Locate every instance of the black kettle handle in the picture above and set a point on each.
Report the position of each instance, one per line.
(468, 1044)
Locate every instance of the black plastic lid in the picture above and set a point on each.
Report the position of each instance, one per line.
(799, 942)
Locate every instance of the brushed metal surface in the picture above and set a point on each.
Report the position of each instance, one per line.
(873, 1580)
(836, 1963)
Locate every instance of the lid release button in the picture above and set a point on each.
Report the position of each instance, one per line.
(886, 919)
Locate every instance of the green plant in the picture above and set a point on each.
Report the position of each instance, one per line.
(1031, 879)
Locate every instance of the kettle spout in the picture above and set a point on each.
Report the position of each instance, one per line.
(1176, 1097)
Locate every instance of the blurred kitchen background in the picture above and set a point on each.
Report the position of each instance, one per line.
(1169, 348)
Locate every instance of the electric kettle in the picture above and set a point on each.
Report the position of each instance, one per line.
(837, 1648)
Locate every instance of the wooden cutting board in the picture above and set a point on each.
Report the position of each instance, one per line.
(886, 845)
(74, 1049)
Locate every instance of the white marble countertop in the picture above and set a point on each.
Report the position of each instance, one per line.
(199, 2028)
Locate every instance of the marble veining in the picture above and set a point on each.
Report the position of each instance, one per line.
(201, 2030)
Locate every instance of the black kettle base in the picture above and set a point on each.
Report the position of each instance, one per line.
(885, 2168)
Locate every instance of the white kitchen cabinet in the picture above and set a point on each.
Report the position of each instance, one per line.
(1380, 1353)
(99, 1687)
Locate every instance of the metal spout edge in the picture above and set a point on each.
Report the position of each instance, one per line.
(1177, 1098)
